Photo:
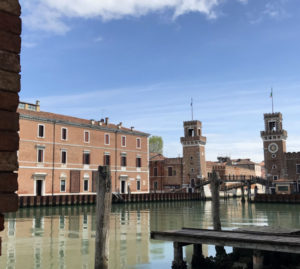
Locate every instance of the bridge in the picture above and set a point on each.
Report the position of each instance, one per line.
(243, 180)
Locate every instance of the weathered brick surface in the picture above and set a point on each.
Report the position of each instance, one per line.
(11, 100)
(10, 42)
(8, 162)
(9, 121)
(9, 81)
(8, 202)
(8, 182)
(10, 23)
(9, 141)
(11, 6)
(9, 61)
(1, 222)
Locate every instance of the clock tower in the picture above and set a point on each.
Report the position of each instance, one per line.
(274, 139)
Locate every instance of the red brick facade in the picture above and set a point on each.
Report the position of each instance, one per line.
(58, 154)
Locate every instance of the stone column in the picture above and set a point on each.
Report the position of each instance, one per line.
(10, 46)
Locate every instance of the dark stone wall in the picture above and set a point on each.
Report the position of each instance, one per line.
(10, 47)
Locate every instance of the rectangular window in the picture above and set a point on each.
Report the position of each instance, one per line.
(155, 171)
(155, 185)
(63, 133)
(123, 143)
(283, 188)
(63, 185)
(298, 168)
(138, 162)
(106, 139)
(86, 136)
(63, 156)
(86, 185)
(106, 159)
(41, 130)
(138, 185)
(272, 125)
(275, 177)
(40, 157)
(170, 171)
(86, 158)
(138, 143)
(174, 172)
(123, 161)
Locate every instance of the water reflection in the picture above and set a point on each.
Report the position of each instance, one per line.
(63, 237)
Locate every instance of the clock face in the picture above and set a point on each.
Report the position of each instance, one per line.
(273, 148)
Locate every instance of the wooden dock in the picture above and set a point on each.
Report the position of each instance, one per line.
(257, 239)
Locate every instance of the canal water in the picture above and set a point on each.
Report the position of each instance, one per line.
(63, 237)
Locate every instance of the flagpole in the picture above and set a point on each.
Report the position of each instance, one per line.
(272, 100)
(192, 109)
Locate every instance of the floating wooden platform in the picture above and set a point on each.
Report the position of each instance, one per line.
(258, 239)
(272, 240)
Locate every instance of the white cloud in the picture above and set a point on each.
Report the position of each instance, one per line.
(98, 39)
(49, 15)
(29, 44)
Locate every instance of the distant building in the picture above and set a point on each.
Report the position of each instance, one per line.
(182, 174)
(59, 154)
(282, 167)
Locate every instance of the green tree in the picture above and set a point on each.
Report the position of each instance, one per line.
(156, 144)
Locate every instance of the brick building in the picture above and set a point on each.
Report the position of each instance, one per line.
(282, 167)
(60, 154)
(175, 174)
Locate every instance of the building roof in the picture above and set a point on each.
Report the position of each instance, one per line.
(69, 120)
(156, 156)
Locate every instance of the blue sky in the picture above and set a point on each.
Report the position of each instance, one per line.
(140, 62)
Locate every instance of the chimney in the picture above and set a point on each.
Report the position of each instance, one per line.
(92, 121)
(37, 104)
(106, 120)
(131, 128)
(119, 125)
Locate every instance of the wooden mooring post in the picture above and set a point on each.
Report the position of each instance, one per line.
(103, 208)
(178, 262)
(243, 194)
(215, 196)
(258, 259)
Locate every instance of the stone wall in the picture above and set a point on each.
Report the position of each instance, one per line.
(10, 46)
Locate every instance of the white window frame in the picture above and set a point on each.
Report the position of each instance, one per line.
(38, 131)
(84, 132)
(64, 150)
(105, 139)
(123, 136)
(60, 185)
(62, 133)
(37, 154)
(138, 138)
(86, 177)
(138, 179)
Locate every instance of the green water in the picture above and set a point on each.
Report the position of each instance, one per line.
(63, 237)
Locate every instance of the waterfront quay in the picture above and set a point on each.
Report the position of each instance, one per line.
(58, 237)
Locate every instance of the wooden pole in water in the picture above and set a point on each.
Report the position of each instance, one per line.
(215, 195)
(103, 209)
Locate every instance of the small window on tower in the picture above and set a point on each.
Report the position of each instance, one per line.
(272, 126)
(191, 132)
(298, 168)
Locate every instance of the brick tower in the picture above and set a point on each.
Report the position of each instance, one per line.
(193, 143)
(274, 139)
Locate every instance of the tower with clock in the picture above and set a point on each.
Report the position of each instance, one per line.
(274, 140)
